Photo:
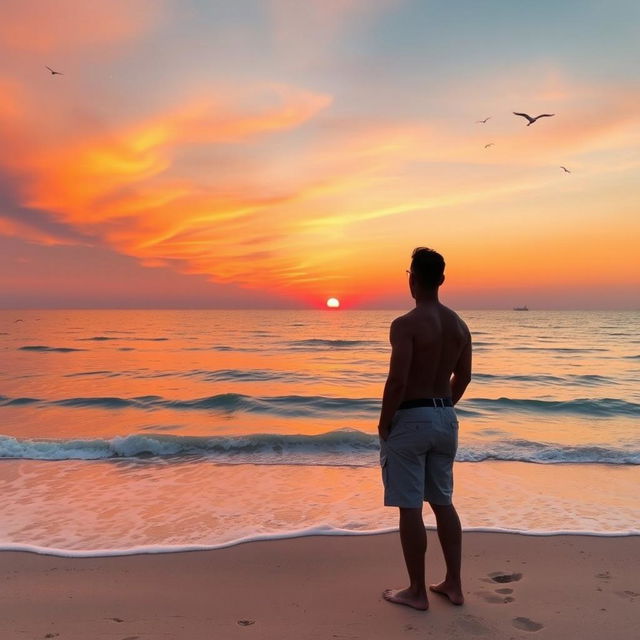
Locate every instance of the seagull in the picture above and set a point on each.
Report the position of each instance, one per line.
(53, 73)
(483, 121)
(532, 120)
(565, 169)
(486, 146)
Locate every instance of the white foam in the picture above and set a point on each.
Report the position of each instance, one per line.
(341, 447)
(322, 530)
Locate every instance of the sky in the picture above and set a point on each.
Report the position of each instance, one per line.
(275, 153)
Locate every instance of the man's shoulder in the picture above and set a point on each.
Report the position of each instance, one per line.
(402, 325)
(403, 321)
(462, 324)
(453, 314)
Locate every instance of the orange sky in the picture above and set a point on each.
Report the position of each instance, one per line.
(268, 154)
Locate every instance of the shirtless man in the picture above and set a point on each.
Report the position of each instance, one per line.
(429, 371)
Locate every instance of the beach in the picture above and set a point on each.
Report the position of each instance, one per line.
(516, 586)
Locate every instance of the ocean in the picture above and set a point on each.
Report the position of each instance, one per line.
(157, 430)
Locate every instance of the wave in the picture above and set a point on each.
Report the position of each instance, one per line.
(102, 338)
(246, 375)
(342, 447)
(560, 349)
(599, 407)
(91, 373)
(256, 448)
(317, 343)
(588, 380)
(292, 405)
(220, 375)
(313, 406)
(7, 402)
(40, 347)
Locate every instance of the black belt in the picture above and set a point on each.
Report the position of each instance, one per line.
(426, 402)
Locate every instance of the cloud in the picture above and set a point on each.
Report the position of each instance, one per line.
(123, 185)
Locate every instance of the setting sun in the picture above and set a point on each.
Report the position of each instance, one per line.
(333, 303)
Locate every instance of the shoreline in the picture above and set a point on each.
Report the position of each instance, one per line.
(313, 532)
(328, 587)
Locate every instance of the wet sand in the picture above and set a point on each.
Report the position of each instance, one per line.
(325, 587)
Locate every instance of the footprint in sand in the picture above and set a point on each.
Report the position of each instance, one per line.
(526, 624)
(506, 591)
(131, 638)
(474, 625)
(487, 596)
(502, 577)
(603, 575)
(245, 623)
(630, 595)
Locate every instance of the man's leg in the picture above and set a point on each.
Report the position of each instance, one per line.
(450, 535)
(414, 546)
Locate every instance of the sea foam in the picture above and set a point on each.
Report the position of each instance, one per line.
(341, 447)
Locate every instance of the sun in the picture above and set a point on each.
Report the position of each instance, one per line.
(333, 303)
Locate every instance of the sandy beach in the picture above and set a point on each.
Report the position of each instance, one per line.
(515, 586)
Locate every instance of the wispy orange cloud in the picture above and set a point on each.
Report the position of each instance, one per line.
(12, 227)
(119, 184)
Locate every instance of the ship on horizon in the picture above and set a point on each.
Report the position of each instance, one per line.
(524, 308)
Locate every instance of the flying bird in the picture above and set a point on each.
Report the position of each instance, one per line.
(565, 169)
(483, 121)
(486, 146)
(53, 73)
(532, 120)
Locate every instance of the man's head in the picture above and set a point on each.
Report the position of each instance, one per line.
(427, 270)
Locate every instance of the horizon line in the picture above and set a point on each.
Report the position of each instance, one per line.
(303, 309)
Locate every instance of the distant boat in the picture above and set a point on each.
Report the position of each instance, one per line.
(525, 308)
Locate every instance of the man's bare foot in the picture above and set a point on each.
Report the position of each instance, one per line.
(453, 593)
(407, 597)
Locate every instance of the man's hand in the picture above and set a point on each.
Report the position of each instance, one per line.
(383, 432)
(401, 340)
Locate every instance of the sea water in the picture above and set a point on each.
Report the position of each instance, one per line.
(158, 430)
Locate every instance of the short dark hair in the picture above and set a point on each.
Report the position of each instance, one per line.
(427, 267)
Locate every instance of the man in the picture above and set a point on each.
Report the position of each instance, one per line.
(429, 371)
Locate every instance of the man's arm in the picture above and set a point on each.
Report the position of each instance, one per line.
(399, 366)
(461, 376)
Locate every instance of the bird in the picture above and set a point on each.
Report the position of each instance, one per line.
(486, 146)
(532, 120)
(565, 169)
(53, 73)
(483, 121)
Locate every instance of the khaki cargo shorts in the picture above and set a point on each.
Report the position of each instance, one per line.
(417, 457)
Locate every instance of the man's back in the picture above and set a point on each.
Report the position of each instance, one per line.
(440, 344)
